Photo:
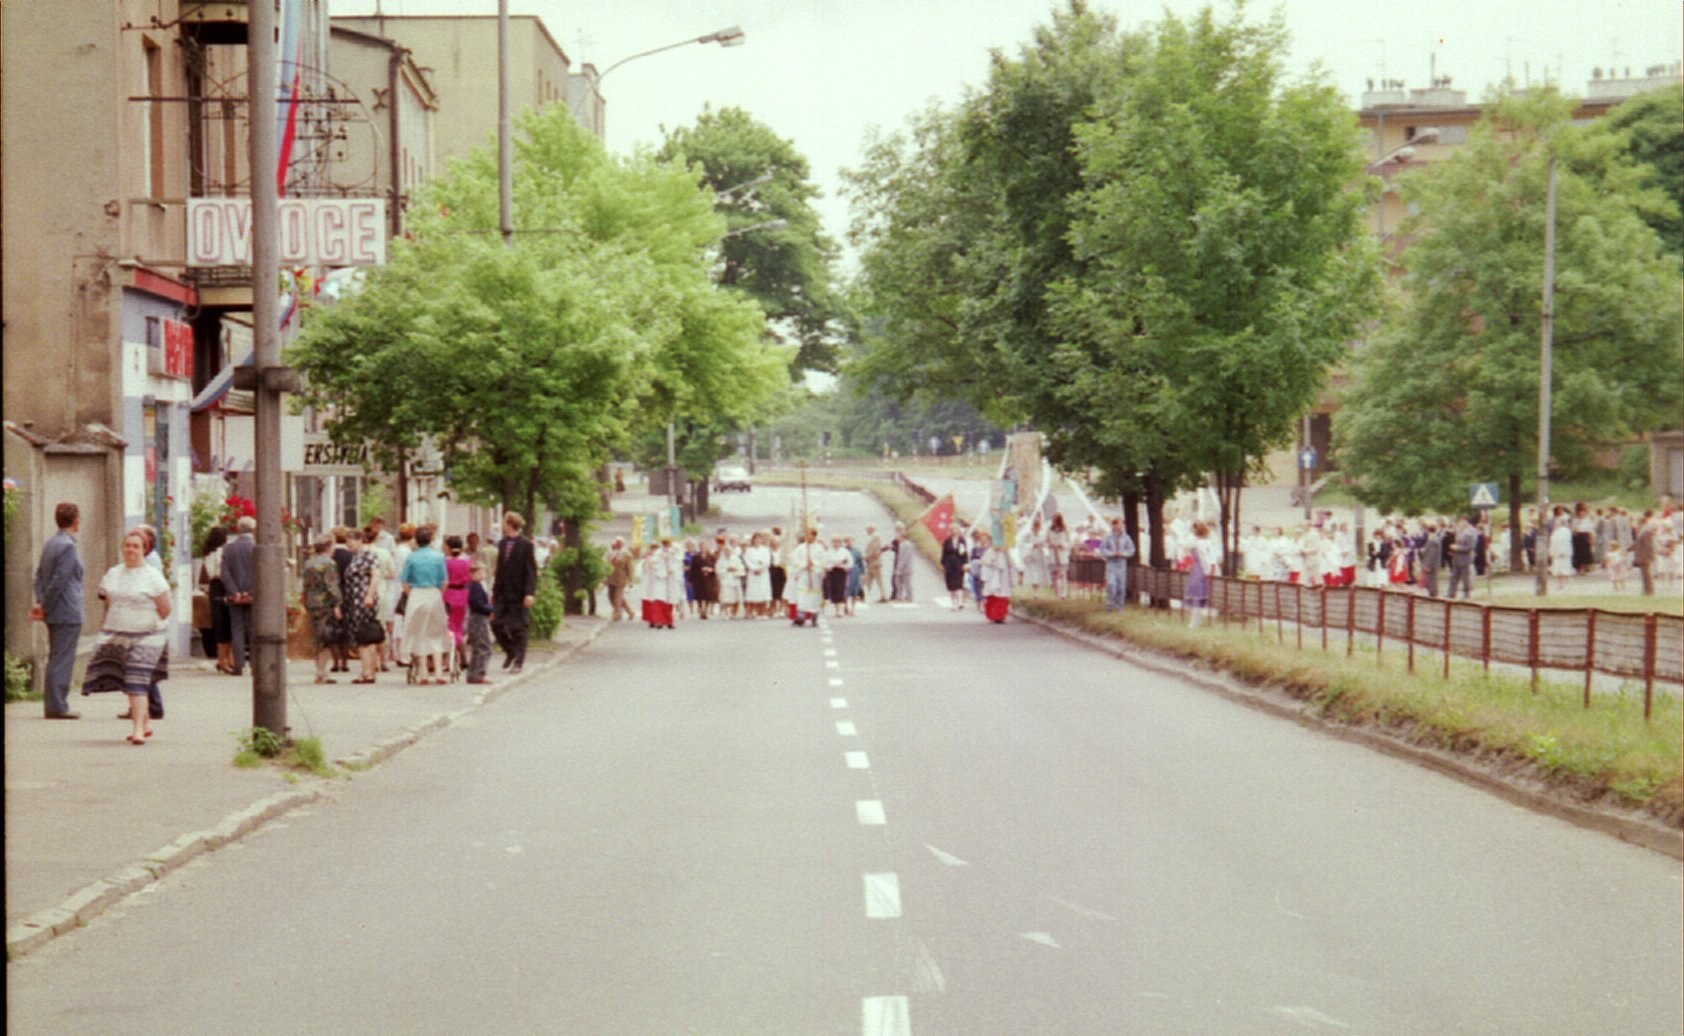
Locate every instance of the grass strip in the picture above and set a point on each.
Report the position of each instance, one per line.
(1607, 750)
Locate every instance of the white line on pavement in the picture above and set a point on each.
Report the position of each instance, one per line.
(882, 895)
(836, 681)
(885, 1016)
(831, 663)
(844, 728)
(947, 858)
(857, 760)
(870, 812)
(838, 703)
(1044, 938)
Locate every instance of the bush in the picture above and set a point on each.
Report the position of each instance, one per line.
(1634, 467)
(17, 679)
(545, 617)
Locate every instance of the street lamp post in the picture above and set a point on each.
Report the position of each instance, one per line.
(731, 36)
(728, 37)
(1540, 545)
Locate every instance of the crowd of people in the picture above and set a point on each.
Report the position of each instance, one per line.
(764, 574)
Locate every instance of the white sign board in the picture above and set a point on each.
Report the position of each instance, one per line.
(311, 231)
(322, 456)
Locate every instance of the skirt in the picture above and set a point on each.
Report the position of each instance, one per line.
(658, 613)
(127, 662)
(836, 586)
(426, 629)
(994, 609)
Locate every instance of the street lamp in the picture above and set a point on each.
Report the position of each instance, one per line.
(771, 224)
(729, 37)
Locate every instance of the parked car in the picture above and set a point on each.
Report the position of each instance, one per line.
(732, 477)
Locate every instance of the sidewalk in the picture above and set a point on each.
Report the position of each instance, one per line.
(91, 818)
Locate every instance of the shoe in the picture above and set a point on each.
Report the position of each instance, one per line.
(508, 660)
(137, 741)
(64, 715)
(479, 679)
(516, 667)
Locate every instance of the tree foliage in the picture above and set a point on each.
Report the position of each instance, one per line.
(1447, 394)
(527, 363)
(787, 269)
(1146, 245)
(1651, 131)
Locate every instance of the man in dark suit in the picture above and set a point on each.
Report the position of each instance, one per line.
(512, 590)
(239, 575)
(58, 603)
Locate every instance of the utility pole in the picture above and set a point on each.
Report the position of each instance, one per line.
(269, 655)
(1540, 545)
(505, 141)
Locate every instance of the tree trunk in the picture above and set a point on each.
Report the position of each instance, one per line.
(573, 580)
(1228, 485)
(1131, 515)
(1155, 526)
(699, 498)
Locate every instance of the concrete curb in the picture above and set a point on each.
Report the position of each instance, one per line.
(1648, 834)
(80, 908)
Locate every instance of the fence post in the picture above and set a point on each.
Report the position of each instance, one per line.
(1324, 619)
(1590, 654)
(1485, 636)
(1447, 607)
(1380, 627)
(1280, 632)
(1532, 647)
(1409, 629)
(1350, 620)
(1648, 665)
(1298, 604)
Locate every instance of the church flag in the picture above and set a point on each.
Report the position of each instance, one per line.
(939, 518)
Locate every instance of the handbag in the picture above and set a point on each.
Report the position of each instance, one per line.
(403, 602)
(370, 631)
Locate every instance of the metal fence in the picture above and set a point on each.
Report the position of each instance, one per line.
(1625, 645)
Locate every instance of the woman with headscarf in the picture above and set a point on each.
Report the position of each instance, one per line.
(132, 652)
(321, 591)
(361, 605)
(954, 557)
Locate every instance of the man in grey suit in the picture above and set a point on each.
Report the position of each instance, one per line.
(239, 574)
(1462, 551)
(58, 603)
(1432, 557)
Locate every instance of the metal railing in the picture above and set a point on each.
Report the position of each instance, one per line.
(1624, 645)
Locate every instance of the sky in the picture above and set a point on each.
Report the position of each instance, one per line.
(826, 73)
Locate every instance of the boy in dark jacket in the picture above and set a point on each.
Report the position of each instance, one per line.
(479, 625)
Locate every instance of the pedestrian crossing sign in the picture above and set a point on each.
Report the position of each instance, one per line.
(1482, 495)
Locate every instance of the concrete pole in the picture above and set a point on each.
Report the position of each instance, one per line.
(269, 633)
(1540, 547)
(505, 142)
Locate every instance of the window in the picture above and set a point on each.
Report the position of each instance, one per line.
(154, 147)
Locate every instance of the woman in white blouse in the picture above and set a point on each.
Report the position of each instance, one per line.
(132, 651)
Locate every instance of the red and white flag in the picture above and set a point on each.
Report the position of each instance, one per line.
(939, 518)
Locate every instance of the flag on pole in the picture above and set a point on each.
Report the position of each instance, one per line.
(939, 517)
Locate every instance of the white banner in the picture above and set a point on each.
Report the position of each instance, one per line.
(311, 231)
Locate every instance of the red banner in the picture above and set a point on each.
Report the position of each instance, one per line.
(939, 518)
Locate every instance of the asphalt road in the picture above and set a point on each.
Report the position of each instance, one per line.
(909, 821)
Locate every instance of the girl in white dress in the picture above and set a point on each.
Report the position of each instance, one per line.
(731, 572)
(757, 593)
(1034, 550)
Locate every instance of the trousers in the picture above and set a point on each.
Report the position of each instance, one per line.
(1116, 587)
(239, 627)
(62, 638)
(1462, 575)
(508, 625)
(479, 645)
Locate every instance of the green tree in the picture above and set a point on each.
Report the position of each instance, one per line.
(1222, 264)
(758, 178)
(1447, 393)
(1651, 127)
(528, 364)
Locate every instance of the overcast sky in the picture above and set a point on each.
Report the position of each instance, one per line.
(821, 72)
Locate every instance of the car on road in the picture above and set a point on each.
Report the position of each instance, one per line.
(732, 476)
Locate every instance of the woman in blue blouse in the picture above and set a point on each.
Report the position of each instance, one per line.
(426, 627)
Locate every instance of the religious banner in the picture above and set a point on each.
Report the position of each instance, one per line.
(939, 518)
